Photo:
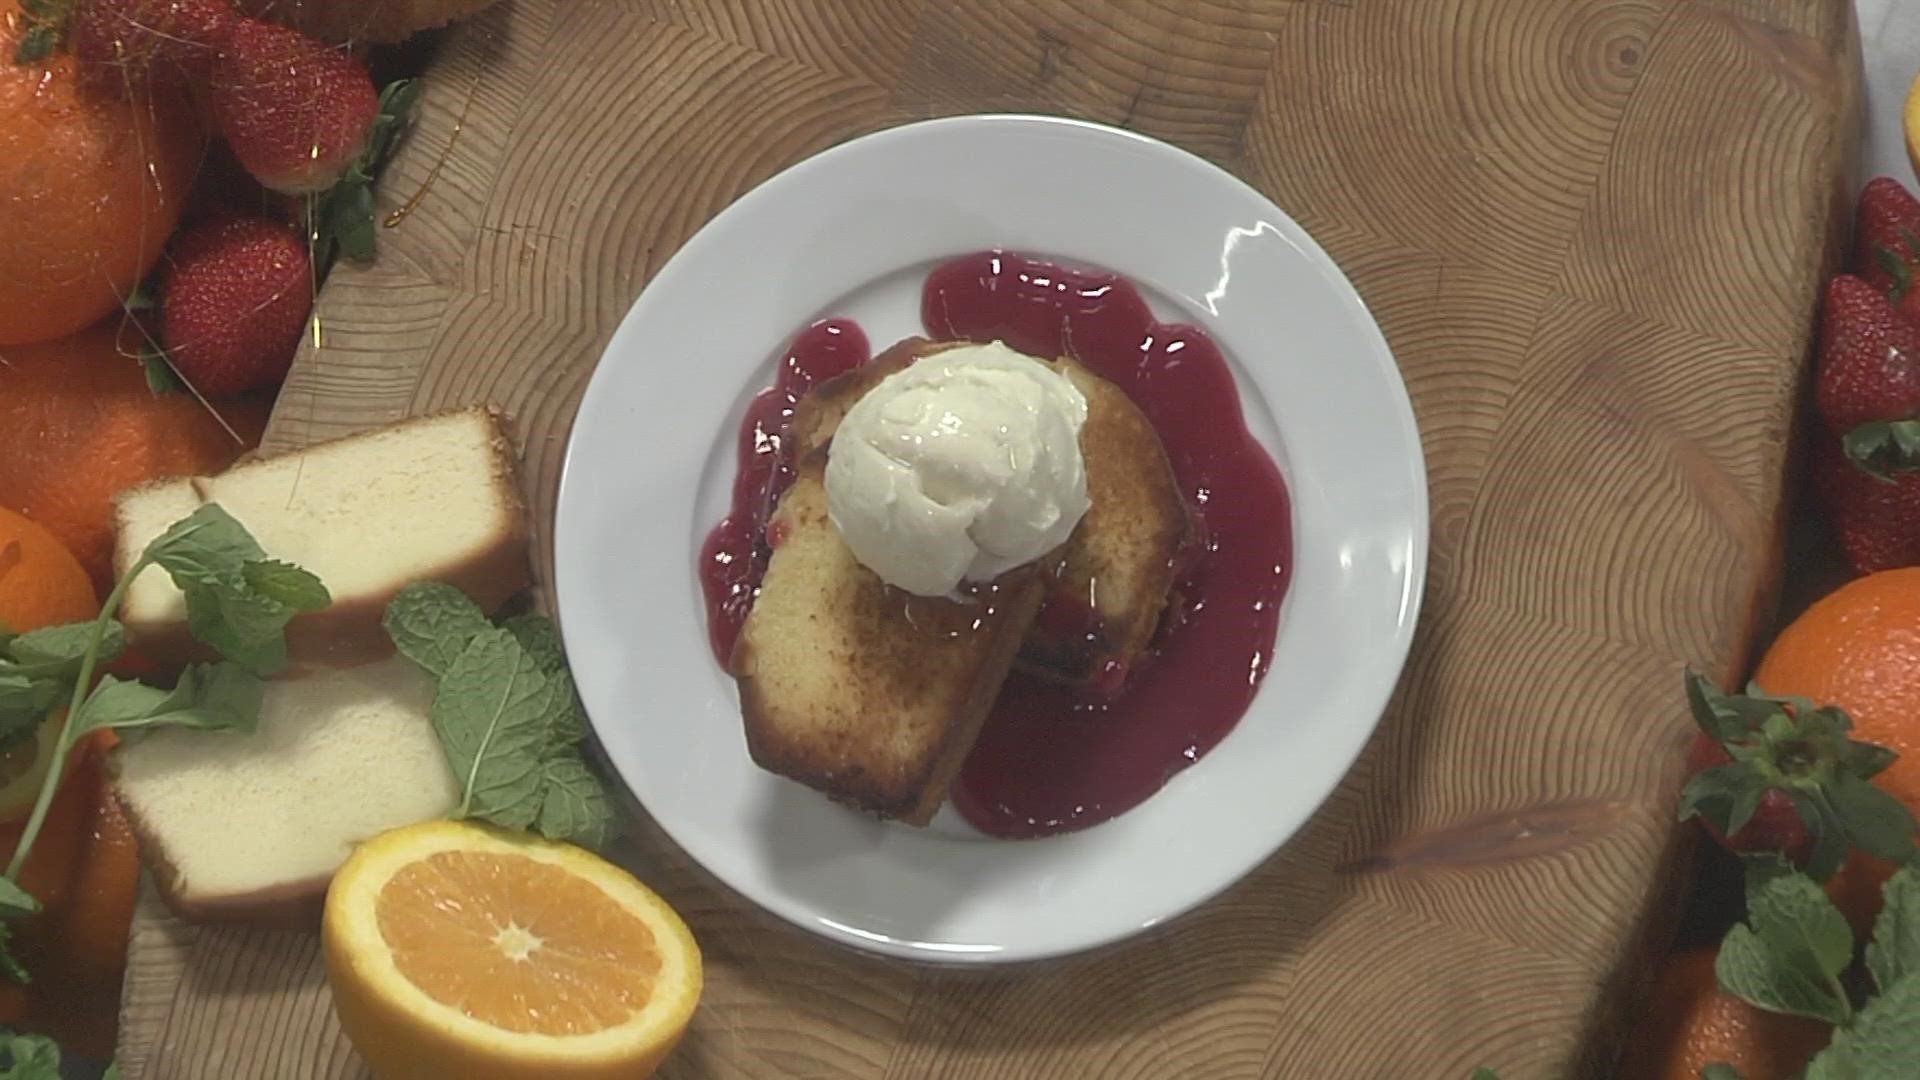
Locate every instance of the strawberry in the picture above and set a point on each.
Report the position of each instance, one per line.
(233, 303)
(154, 41)
(1778, 775)
(295, 111)
(1875, 519)
(1867, 386)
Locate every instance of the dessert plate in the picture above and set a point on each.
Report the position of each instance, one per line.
(852, 232)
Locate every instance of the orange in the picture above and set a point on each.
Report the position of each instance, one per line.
(458, 949)
(1691, 1023)
(78, 424)
(85, 871)
(1858, 648)
(91, 185)
(41, 583)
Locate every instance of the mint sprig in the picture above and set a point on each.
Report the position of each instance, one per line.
(1789, 956)
(238, 601)
(507, 715)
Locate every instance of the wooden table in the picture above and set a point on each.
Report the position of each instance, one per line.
(1592, 231)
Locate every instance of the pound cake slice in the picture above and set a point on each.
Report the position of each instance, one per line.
(1101, 615)
(249, 828)
(868, 694)
(433, 498)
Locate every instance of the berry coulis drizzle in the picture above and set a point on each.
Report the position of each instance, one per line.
(1049, 760)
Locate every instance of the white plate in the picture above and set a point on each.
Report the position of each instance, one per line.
(852, 232)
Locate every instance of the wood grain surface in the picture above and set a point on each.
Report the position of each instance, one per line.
(1592, 232)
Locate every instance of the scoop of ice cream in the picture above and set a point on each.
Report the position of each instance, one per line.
(959, 467)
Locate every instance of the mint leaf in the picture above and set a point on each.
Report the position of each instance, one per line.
(16, 902)
(1789, 956)
(432, 623)
(26, 698)
(1484, 1073)
(1799, 923)
(1720, 1071)
(1746, 970)
(541, 639)
(286, 584)
(1894, 953)
(215, 697)
(1882, 1043)
(573, 804)
(30, 1057)
(493, 712)
(207, 547)
(246, 628)
(56, 651)
(113, 1071)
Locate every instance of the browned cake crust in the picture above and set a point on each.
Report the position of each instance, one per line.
(864, 692)
(1121, 562)
(1100, 618)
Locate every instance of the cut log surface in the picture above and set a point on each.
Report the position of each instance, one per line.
(1592, 231)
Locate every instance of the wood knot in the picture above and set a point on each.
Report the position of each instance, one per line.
(1492, 839)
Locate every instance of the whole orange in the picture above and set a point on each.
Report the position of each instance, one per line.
(91, 185)
(1691, 1023)
(78, 424)
(41, 583)
(1858, 648)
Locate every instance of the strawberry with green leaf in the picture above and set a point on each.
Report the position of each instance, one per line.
(1886, 238)
(1782, 775)
(1867, 387)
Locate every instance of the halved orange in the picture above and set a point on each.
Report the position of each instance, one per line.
(455, 949)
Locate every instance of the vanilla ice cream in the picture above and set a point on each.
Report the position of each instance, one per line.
(959, 467)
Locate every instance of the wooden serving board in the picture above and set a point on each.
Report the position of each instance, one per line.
(1592, 231)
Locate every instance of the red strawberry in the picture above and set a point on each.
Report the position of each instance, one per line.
(1876, 520)
(1886, 237)
(156, 41)
(1869, 366)
(1779, 775)
(295, 110)
(234, 302)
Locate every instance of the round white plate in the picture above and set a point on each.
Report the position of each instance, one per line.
(852, 232)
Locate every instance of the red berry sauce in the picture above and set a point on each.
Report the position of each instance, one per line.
(1050, 760)
(734, 558)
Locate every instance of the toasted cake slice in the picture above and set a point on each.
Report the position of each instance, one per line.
(1100, 617)
(868, 694)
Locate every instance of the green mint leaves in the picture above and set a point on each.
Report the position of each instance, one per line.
(238, 601)
(507, 714)
(29, 1057)
(1790, 746)
(1792, 956)
(1789, 956)
(341, 219)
